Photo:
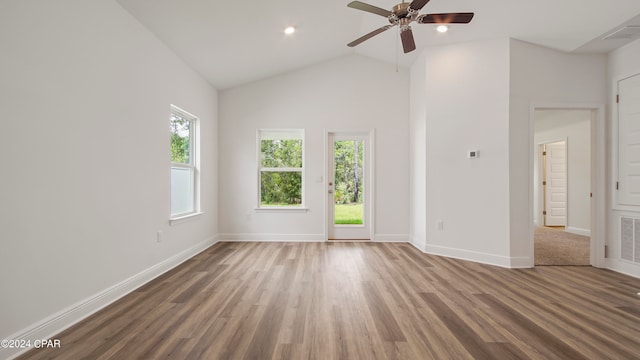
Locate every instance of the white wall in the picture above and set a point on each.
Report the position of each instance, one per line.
(555, 79)
(574, 126)
(418, 152)
(345, 94)
(467, 108)
(84, 186)
(623, 62)
(479, 96)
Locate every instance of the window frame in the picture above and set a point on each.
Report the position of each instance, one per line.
(285, 134)
(193, 166)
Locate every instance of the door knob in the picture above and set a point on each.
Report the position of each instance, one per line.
(330, 191)
(330, 183)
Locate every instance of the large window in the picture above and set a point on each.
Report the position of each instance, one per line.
(280, 170)
(184, 170)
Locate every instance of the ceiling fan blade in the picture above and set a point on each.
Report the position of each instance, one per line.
(369, 35)
(447, 18)
(369, 8)
(418, 4)
(408, 43)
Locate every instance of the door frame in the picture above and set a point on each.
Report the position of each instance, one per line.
(598, 174)
(615, 147)
(370, 162)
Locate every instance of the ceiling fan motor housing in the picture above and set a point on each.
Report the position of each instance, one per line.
(402, 14)
(401, 10)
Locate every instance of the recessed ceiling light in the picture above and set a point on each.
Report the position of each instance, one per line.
(442, 28)
(289, 30)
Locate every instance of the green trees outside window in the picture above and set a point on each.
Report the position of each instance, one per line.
(349, 186)
(180, 139)
(281, 170)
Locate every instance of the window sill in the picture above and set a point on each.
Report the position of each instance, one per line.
(281, 209)
(184, 218)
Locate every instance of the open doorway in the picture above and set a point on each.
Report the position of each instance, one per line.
(562, 186)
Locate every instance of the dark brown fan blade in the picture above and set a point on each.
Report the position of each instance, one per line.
(418, 4)
(448, 18)
(408, 44)
(369, 35)
(369, 8)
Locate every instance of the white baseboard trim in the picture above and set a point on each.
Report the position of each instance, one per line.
(58, 322)
(623, 267)
(483, 258)
(391, 238)
(418, 243)
(417, 246)
(304, 237)
(272, 237)
(578, 231)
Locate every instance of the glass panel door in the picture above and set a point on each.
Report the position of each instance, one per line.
(348, 186)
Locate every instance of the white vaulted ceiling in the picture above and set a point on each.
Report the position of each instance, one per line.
(235, 42)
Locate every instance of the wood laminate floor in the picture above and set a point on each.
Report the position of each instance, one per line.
(361, 301)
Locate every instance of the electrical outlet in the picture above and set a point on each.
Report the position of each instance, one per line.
(440, 225)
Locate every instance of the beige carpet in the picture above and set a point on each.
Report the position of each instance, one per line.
(556, 247)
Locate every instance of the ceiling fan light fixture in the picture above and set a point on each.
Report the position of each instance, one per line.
(442, 28)
(289, 30)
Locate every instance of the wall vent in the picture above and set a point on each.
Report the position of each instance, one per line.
(630, 239)
(627, 32)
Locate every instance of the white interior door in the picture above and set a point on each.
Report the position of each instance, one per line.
(555, 161)
(629, 141)
(348, 192)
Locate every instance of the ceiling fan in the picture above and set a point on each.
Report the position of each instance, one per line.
(404, 14)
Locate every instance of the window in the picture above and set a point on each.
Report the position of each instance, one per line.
(184, 170)
(281, 167)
